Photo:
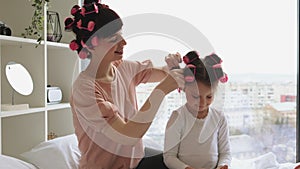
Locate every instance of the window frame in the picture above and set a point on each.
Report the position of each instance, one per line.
(297, 105)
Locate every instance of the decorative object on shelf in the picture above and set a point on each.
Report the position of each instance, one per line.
(4, 30)
(35, 29)
(21, 81)
(51, 135)
(53, 27)
(54, 95)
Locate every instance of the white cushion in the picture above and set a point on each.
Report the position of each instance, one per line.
(7, 162)
(59, 153)
(265, 161)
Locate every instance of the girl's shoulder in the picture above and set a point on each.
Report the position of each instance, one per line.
(216, 111)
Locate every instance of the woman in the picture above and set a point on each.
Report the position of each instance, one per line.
(107, 122)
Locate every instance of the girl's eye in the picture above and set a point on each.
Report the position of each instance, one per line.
(209, 97)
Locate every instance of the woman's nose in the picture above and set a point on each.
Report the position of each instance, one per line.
(123, 41)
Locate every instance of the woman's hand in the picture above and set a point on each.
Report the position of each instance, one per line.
(173, 80)
(173, 61)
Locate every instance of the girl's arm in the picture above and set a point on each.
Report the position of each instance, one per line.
(224, 144)
(172, 142)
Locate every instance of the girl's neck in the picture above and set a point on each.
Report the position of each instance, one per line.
(197, 114)
(202, 114)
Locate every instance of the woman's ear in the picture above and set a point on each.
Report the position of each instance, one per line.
(184, 88)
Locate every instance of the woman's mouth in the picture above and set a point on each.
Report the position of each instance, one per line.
(119, 52)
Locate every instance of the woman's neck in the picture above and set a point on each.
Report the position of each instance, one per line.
(102, 71)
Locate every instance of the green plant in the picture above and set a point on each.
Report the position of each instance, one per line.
(35, 29)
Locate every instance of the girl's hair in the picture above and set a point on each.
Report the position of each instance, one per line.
(207, 70)
(89, 23)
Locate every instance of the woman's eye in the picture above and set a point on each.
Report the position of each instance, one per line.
(195, 97)
(114, 39)
(209, 97)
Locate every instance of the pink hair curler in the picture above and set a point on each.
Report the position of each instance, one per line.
(83, 54)
(68, 23)
(224, 79)
(90, 26)
(75, 9)
(73, 45)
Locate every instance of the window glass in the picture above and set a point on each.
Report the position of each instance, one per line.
(257, 41)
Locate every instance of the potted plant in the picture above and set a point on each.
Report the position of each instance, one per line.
(35, 29)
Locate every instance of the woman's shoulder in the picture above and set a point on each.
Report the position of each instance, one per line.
(135, 63)
(83, 83)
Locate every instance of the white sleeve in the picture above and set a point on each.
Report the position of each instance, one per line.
(173, 135)
(224, 144)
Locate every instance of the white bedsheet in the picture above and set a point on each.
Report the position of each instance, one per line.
(265, 161)
(7, 162)
(65, 150)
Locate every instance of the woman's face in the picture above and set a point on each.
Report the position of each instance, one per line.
(111, 48)
(199, 97)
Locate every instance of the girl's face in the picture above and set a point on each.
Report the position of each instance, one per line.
(111, 47)
(199, 97)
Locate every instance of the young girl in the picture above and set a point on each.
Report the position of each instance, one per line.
(197, 135)
(108, 125)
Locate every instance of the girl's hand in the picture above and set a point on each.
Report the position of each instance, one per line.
(189, 168)
(173, 61)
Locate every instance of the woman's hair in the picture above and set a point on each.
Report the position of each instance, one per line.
(89, 23)
(207, 70)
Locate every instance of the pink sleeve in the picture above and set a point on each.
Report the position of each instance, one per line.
(139, 71)
(91, 108)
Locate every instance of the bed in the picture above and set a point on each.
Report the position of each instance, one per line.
(59, 153)
(63, 153)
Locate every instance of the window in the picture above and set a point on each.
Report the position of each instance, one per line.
(257, 41)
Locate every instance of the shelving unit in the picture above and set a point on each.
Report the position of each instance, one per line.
(49, 63)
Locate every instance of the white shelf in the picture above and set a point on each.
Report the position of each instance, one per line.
(58, 106)
(11, 40)
(21, 112)
(48, 63)
(55, 45)
(35, 110)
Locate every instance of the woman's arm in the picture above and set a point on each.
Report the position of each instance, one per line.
(159, 73)
(137, 126)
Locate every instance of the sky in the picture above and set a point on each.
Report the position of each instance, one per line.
(257, 36)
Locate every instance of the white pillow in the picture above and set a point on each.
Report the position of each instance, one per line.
(59, 153)
(8, 162)
(265, 161)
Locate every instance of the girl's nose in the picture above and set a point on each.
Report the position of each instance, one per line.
(202, 102)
